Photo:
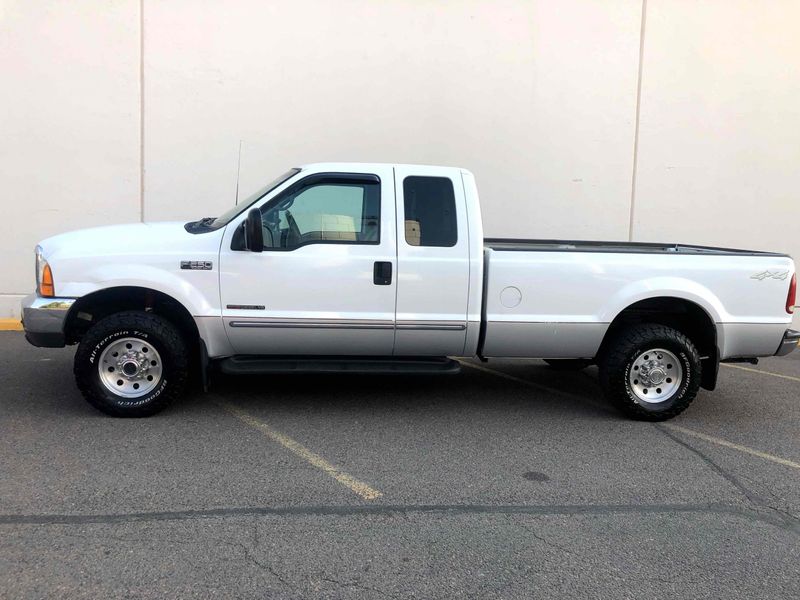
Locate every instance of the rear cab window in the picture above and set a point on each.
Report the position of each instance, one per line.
(430, 211)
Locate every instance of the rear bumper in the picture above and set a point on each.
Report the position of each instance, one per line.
(789, 342)
(43, 320)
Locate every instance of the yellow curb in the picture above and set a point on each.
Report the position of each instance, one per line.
(10, 325)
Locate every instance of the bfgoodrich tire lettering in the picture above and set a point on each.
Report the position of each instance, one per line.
(634, 343)
(148, 330)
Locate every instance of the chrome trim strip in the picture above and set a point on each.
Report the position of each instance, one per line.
(245, 306)
(503, 322)
(349, 324)
(431, 326)
(313, 324)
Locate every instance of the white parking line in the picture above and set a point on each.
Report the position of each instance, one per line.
(347, 480)
(708, 438)
(720, 442)
(789, 377)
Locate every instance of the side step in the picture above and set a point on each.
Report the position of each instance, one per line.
(256, 365)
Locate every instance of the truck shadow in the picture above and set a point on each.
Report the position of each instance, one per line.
(549, 392)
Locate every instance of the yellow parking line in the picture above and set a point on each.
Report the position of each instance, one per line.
(714, 440)
(789, 377)
(720, 442)
(359, 487)
(10, 325)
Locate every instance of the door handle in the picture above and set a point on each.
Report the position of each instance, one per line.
(382, 273)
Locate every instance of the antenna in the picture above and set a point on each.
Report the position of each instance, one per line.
(238, 168)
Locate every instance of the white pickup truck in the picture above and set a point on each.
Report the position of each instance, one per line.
(384, 268)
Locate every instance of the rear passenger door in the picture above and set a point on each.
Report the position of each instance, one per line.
(432, 262)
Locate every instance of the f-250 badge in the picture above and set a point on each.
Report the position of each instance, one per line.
(770, 275)
(196, 265)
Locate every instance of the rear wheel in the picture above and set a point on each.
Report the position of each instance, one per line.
(650, 372)
(131, 364)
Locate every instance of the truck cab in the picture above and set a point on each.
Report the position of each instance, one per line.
(356, 260)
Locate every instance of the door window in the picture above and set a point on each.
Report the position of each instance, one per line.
(326, 212)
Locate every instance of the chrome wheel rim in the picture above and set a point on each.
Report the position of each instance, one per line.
(130, 367)
(655, 375)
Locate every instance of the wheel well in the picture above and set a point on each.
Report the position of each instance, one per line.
(683, 315)
(89, 309)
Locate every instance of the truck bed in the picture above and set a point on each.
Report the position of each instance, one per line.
(523, 245)
(557, 298)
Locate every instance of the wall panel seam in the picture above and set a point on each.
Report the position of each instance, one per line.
(636, 122)
(141, 110)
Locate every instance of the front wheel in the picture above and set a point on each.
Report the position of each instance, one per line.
(650, 372)
(131, 364)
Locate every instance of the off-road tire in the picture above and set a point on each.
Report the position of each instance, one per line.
(158, 333)
(617, 360)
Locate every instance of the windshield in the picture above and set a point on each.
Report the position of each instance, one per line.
(243, 205)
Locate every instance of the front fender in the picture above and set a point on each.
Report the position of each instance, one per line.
(196, 290)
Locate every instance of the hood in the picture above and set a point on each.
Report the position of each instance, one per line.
(113, 239)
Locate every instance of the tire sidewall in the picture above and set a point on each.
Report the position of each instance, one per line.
(689, 365)
(121, 401)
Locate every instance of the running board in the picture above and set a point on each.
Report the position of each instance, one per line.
(257, 365)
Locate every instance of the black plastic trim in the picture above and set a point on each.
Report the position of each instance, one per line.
(256, 365)
(46, 340)
(710, 372)
(484, 313)
(205, 379)
(382, 272)
(743, 359)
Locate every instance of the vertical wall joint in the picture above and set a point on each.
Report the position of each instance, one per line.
(141, 110)
(636, 124)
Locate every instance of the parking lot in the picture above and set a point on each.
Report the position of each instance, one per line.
(510, 480)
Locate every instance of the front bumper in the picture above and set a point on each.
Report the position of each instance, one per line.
(43, 320)
(789, 342)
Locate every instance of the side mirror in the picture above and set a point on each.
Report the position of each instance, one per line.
(253, 232)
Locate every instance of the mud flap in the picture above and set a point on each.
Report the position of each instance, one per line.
(710, 366)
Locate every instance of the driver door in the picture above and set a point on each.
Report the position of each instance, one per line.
(324, 284)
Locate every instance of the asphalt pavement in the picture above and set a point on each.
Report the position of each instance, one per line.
(510, 480)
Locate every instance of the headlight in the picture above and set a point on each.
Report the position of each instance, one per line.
(44, 276)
